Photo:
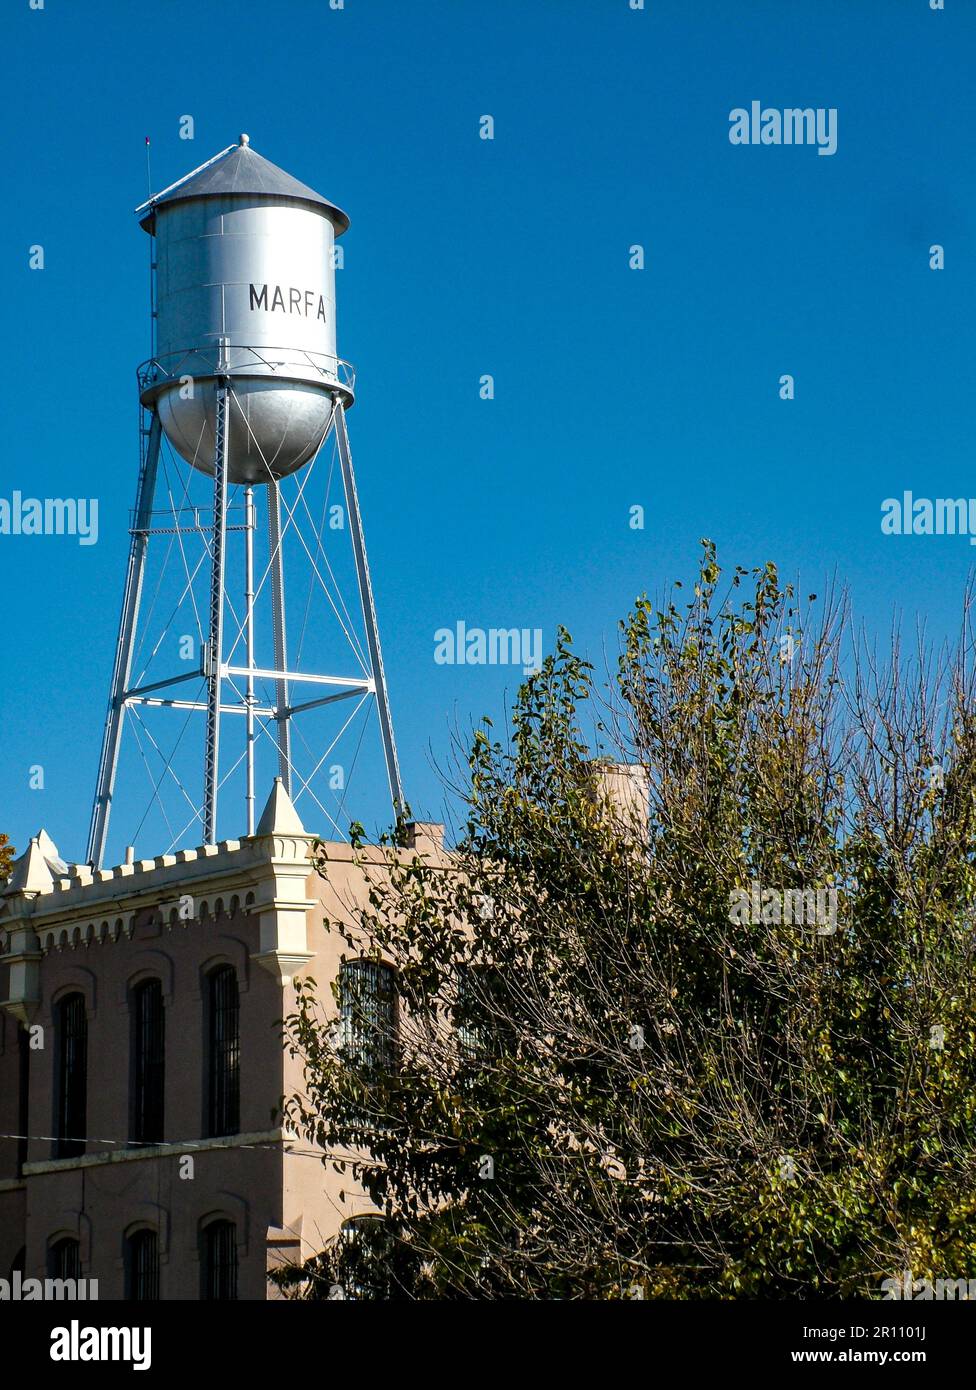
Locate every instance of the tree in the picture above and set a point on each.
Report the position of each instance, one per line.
(726, 1050)
(6, 858)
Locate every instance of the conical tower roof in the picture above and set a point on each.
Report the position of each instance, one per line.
(242, 171)
(31, 873)
(52, 854)
(279, 816)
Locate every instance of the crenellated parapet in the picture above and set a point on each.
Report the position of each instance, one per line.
(49, 905)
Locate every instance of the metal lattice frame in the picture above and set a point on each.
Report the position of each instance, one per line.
(223, 678)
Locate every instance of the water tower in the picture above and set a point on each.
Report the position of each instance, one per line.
(245, 385)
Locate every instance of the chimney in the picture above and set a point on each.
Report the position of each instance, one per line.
(622, 789)
(427, 837)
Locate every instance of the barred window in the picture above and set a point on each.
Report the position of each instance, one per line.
(472, 1035)
(366, 1250)
(368, 1014)
(142, 1266)
(480, 1013)
(64, 1259)
(223, 1053)
(71, 1117)
(149, 1063)
(219, 1261)
(23, 1095)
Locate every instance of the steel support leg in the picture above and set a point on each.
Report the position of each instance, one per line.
(369, 610)
(215, 651)
(278, 626)
(122, 672)
(249, 640)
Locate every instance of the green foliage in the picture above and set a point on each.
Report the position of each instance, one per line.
(7, 853)
(675, 1102)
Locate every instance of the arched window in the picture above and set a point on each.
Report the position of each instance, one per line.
(368, 1014)
(148, 1062)
(64, 1259)
(223, 1052)
(71, 1117)
(365, 1255)
(19, 1264)
(142, 1266)
(482, 1006)
(23, 1095)
(468, 1020)
(219, 1261)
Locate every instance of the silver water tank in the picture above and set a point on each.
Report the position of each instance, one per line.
(245, 287)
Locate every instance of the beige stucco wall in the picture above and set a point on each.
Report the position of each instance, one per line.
(101, 934)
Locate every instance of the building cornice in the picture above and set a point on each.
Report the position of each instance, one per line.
(82, 896)
(256, 1139)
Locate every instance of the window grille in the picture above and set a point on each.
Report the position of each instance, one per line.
(219, 1261)
(150, 1051)
(368, 1016)
(365, 1259)
(72, 1082)
(64, 1259)
(224, 1049)
(142, 1266)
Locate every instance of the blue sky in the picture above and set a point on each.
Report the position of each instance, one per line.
(613, 387)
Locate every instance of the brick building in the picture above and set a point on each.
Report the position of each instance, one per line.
(142, 1067)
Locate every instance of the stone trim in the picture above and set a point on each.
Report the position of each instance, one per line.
(175, 1149)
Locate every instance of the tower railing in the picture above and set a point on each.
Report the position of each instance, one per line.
(240, 359)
